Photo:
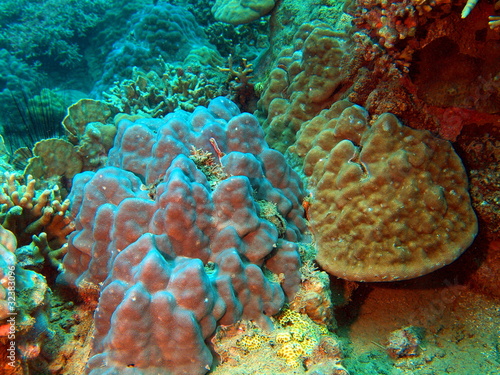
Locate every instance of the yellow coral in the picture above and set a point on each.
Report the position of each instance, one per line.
(291, 352)
(293, 318)
(355, 165)
(252, 342)
(298, 338)
(294, 345)
(283, 337)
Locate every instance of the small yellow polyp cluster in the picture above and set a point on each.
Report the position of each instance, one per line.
(390, 202)
(252, 342)
(297, 338)
(292, 353)
(296, 345)
(283, 337)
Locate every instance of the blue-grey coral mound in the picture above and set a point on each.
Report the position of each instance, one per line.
(157, 34)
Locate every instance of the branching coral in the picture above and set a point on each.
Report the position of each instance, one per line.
(154, 95)
(241, 75)
(241, 90)
(494, 21)
(27, 212)
(468, 7)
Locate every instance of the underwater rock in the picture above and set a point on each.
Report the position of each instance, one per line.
(404, 342)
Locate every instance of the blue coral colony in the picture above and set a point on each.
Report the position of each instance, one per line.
(194, 187)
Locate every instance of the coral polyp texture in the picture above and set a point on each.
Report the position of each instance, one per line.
(390, 202)
(238, 12)
(158, 32)
(307, 79)
(175, 254)
(296, 346)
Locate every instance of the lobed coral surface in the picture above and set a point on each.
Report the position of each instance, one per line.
(390, 202)
(156, 248)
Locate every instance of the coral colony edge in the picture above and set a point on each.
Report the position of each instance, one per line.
(232, 187)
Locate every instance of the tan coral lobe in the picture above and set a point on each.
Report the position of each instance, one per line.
(238, 12)
(390, 202)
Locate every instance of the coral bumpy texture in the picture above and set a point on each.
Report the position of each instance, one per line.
(390, 202)
(178, 253)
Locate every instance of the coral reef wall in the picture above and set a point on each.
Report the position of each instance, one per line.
(162, 228)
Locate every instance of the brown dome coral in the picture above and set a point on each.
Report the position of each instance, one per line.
(390, 202)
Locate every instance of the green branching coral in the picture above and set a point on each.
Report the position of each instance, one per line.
(38, 28)
(468, 7)
(494, 21)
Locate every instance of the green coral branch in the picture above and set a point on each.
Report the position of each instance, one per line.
(494, 21)
(468, 7)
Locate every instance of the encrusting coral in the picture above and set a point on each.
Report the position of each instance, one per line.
(53, 158)
(24, 305)
(304, 343)
(89, 127)
(297, 345)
